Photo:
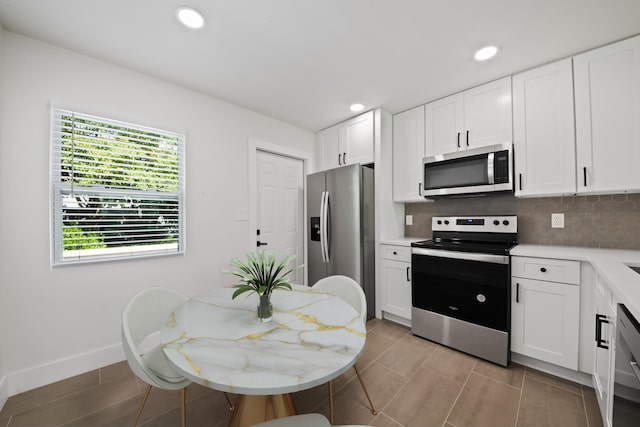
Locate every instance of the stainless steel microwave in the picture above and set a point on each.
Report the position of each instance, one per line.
(472, 171)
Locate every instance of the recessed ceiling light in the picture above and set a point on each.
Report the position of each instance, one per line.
(356, 107)
(190, 18)
(486, 53)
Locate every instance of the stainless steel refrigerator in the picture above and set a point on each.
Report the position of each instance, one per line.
(341, 225)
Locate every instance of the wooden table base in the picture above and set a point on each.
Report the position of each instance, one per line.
(252, 409)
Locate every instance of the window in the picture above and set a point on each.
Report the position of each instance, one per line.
(117, 189)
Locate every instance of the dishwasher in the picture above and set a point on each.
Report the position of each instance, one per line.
(626, 389)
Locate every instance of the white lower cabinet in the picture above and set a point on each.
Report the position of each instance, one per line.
(545, 314)
(396, 280)
(603, 358)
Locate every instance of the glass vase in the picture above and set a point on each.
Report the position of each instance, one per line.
(265, 310)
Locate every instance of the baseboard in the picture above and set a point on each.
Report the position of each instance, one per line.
(38, 376)
(558, 371)
(4, 391)
(396, 319)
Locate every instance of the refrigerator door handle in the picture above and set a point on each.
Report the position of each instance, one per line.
(324, 227)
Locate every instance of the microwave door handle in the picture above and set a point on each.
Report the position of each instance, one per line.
(490, 175)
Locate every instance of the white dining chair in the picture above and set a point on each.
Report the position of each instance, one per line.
(142, 317)
(305, 420)
(349, 290)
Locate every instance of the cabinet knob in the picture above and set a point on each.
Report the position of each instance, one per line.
(395, 253)
(544, 270)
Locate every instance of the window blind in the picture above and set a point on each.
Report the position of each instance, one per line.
(117, 189)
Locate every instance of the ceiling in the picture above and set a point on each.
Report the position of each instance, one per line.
(305, 61)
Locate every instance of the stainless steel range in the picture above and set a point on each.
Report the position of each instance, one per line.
(460, 283)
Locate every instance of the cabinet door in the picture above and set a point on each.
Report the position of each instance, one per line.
(444, 125)
(396, 288)
(543, 131)
(545, 321)
(408, 151)
(607, 94)
(357, 146)
(603, 357)
(487, 114)
(329, 152)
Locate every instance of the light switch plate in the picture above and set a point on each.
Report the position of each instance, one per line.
(557, 220)
(408, 220)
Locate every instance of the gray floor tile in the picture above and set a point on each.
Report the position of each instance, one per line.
(450, 363)
(407, 354)
(383, 420)
(554, 381)
(591, 407)
(543, 404)
(425, 400)
(485, 403)
(382, 384)
(513, 375)
(43, 395)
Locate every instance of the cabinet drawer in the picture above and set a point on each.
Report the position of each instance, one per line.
(398, 253)
(551, 270)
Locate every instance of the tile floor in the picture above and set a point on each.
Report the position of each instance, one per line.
(412, 382)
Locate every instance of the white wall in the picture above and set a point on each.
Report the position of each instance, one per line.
(4, 389)
(61, 322)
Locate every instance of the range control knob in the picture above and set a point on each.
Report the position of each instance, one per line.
(496, 222)
(505, 222)
(446, 222)
(439, 222)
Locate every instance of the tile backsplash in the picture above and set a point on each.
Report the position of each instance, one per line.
(605, 221)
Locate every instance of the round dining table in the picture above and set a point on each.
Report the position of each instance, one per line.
(219, 342)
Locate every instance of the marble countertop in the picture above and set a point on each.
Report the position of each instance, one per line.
(610, 264)
(219, 342)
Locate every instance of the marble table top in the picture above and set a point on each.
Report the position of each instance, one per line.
(219, 342)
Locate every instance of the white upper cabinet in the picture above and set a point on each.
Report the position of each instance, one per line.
(607, 96)
(408, 151)
(346, 143)
(358, 142)
(477, 117)
(444, 125)
(329, 150)
(543, 131)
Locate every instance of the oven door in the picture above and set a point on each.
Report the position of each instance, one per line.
(467, 286)
(626, 391)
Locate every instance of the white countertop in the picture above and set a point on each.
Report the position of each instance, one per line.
(219, 343)
(610, 264)
(401, 241)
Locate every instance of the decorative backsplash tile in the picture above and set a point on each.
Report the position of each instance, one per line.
(606, 221)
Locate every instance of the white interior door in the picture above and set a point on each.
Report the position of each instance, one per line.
(280, 184)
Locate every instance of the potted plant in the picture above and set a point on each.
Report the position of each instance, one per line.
(262, 273)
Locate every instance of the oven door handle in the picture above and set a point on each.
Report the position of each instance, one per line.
(470, 256)
(635, 368)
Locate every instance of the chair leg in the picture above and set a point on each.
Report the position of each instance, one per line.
(331, 402)
(231, 406)
(184, 407)
(144, 400)
(373, 410)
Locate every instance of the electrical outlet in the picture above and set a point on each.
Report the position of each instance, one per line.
(408, 220)
(557, 220)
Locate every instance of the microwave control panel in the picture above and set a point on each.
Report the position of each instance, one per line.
(501, 167)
